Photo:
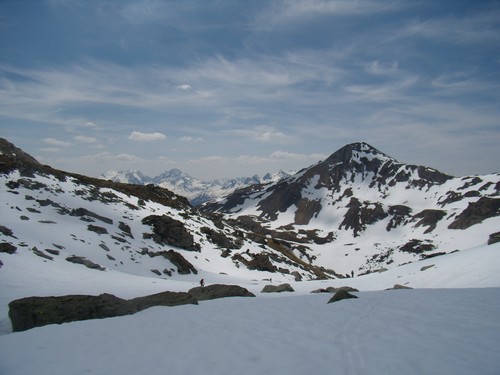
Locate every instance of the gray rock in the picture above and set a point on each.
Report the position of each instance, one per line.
(399, 286)
(30, 312)
(219, 291)
(277, 288)
(340, 295)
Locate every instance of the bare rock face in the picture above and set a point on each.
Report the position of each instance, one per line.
(30, 312)
(215, 291)
(476, 212)
(184, 267)
(340, 295)
(277, 288)
(494, 238)
(168, 231)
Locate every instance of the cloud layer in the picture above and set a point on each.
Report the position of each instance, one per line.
(251, 87)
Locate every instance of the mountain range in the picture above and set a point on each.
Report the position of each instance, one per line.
(195, 190)
(74, 247)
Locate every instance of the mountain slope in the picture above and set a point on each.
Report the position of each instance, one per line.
(371, 210)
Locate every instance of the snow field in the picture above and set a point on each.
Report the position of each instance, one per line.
(386, 332)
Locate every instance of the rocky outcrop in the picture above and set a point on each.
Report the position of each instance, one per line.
(417, 246)
(214, 291)
(183, 265)
(30, 312)
(86, 262)
(277, 288)
(340, 295)
(429, 218)
(494, 238)
(476, 212)
(169, 231)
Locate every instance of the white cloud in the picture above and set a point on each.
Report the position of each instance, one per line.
(146, 137)
(56, 142)
(50, 149)
(191, 139)
(85, 139)
(184, 87)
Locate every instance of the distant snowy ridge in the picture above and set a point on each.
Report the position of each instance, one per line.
(196, 191)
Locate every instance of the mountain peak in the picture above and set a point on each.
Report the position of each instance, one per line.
(355, 151)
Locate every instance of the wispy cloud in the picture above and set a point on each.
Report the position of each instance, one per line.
(56, 142)
(146, 137)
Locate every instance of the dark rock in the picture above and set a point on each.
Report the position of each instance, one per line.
(494, 238)
(297, 275)
(426, 267)
(163, 299)
(168, 231)
(6, 231)
(155, 271)
(85, 212)
(184, 267)
(340, 295)
(433, 255)
(52, 251)
(399, 286)
(125, 228)
(429, 218)
(41, 254)
(476, 212)
(220, 239)
(219, 291)
(87, 263)
(416, 246)
(97, 229)
(277, 288)
(8, 248)
(33, 312)
(261, 262)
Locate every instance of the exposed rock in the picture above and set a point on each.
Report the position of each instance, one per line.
(84, 212)
(429, 218)
(41, 254)
(97, 229)
(220, 239)
(399, 286)
(6, 231)
(261, 262)
(297, 275)
(33, 312)
(433, 255)
(163, 299)
(359, 215)
(202, 293)
(416, 246)
(399, 214)
(332, 289)
(340, 295)
(494, 238)
(277, 288)
(87, 263)
(168, 231)
(183, 266)
(8, 248)
(476, 212)
(426, 267)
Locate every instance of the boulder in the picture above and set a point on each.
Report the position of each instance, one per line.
(163, 299)
(30, 312)
(203, 293)
(33, 312)
(340, 295)
(494, 238)
(277, 288)
(399, 286)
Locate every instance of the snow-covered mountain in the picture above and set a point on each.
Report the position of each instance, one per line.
(363, 208)
(197, 191)
(66, 234)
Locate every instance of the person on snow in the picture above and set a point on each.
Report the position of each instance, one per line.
(202, 283)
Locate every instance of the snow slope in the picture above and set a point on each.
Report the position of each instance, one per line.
(421, 331)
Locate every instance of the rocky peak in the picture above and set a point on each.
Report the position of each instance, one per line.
(12, 157)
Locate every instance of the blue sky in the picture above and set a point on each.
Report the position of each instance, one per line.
(234, 88)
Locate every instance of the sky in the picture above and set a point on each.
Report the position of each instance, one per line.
(235, 88)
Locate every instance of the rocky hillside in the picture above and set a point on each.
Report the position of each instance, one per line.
(361, 210)
(63, 220)
(197, 191)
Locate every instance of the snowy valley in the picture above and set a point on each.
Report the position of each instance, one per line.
(359, 219)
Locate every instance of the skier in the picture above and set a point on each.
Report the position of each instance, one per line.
(202, 283)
